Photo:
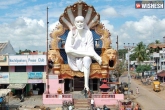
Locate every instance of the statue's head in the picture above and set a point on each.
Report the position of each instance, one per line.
(79, 22)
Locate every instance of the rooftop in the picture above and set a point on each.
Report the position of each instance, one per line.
(3, 45)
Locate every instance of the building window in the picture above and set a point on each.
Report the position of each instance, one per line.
(20, 68)
(4, 69)
(37, 68)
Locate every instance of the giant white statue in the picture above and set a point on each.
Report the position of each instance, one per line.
(79, 48)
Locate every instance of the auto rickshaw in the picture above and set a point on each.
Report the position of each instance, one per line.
(156, 86)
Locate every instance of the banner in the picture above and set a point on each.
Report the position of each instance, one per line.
(18, 77)
(44, 77)
(35, 81)
(36, 60)
(3, 60)
(18, 60)
(4, 78)
(35, 75)
(27, 60)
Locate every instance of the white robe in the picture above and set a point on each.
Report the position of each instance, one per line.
(86, 44)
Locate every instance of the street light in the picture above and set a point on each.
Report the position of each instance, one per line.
(128, 47)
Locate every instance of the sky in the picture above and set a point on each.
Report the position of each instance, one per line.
(24, 22)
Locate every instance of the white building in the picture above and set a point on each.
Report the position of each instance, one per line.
(6, 48)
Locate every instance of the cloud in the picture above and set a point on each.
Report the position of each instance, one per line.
(25, 33)
(25, 26)
(109, 12)
(6, 3)
(147, 29)
(53, 25)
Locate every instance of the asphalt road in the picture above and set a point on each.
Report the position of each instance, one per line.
(147, 99)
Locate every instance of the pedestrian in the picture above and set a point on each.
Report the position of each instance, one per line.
(136, 107)
(139, 108)
(114, 91)
(70, 107)
(92, 103)
(137, 90)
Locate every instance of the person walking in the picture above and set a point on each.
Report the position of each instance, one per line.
(136, 107)
(92, 103)
(137, 90)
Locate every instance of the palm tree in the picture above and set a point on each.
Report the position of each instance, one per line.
(140, 52)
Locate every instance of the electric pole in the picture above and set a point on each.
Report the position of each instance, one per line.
(128, 47)
(47, 69)
(117, 48)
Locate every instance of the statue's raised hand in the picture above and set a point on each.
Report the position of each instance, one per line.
(74, 34)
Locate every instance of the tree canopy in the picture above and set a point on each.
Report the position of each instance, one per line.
(143, 68)
(24, 51)
(120, 68)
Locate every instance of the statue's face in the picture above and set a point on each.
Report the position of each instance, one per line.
(79, 22)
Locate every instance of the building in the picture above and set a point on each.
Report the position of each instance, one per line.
(23, 73)
(6, 48)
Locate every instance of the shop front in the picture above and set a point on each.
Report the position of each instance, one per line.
(34, 66)
(4, 72)
(35, 80)
(4, 80)
(18, 81)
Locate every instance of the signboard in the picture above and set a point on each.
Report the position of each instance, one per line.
(53, 76)
(36, 60)
(35, 75)
(3, 60)
(4, 78)
(27, 60)
(44, 77)
(35, 81)
(156, 4)
(18, 60)
(18, 77)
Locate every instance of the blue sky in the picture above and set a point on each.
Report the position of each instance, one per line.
(23, 22)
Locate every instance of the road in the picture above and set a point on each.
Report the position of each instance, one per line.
(147, 99)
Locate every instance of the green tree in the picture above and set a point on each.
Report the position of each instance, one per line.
(120, 68)
(121, 53)
(23, 51)
(142, 69)
(140, 52)
(132, 57)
